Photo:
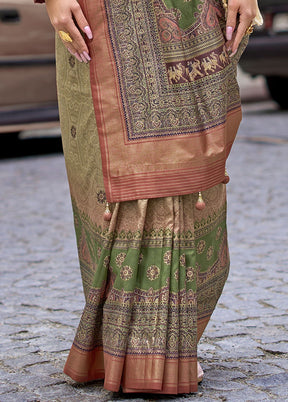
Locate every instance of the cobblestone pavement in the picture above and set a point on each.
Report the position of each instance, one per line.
(244, 351)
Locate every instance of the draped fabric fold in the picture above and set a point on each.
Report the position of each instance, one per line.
(165, 95)
(152, 275)
(148, 124)
(156, 281)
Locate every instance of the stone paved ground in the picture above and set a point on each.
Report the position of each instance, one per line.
(244, 351)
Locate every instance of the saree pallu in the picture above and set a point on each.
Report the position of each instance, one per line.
(144, 126)
(165, 95)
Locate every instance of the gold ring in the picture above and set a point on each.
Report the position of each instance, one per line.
(65, 36)
(250, 29)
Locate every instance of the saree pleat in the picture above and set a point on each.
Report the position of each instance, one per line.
(155, 283)
(151, 276)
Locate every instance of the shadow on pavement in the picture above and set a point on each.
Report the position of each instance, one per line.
(13, 146)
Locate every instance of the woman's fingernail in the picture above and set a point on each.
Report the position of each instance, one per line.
(88, 32)
(77, 55)
(87, 56)
(233, 53)
(83, 58)
(229, 32)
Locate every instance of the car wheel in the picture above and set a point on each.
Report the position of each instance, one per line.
(278, 87)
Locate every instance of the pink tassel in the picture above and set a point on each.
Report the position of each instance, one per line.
(107, 214)
(200, 204)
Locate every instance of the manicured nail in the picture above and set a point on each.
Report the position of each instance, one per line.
(83, 58)
(78, 57)
(88, 32)
(233, 53)
(87, 56)
(229, 32)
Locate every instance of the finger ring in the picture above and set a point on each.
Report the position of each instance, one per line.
(250, 29)
(65, 36)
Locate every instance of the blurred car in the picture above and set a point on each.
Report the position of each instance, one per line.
(267, 52)
(27, 67)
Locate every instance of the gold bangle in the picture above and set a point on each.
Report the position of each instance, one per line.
(65, 36)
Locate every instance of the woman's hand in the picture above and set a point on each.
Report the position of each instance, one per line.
(62, 15)
(247, 11)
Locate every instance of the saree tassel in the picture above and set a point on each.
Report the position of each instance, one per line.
(226, 178)
(200, 204)
(107, 214)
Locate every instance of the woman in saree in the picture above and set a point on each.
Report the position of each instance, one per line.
(149, 108)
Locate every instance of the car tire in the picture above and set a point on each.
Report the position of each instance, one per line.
(278, 88)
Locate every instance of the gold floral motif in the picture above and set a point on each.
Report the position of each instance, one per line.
(153, 272)
(210, 252)
(101, 197)
(126, 273)
(176, 275)
(201, 246)
(140, 125)
(182, 260)
(190, 274)
(156, 122)
(120, 259)
(167, 257)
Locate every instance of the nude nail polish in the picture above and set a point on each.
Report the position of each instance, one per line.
(83, 58)
(229, 32)
(88, 32)
(87, 56)
(78, 57)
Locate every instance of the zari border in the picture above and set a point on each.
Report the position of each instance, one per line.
(151, 374)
